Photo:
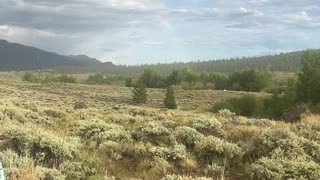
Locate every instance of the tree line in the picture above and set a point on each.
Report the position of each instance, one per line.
(301, 95)
(247, 80)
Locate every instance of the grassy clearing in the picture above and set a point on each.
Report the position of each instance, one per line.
(43, 136)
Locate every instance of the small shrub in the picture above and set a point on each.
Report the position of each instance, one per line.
(77, 170)
(98, 131)
(80, 105)
(284, 168)
(210, 148)
(154, 133)
(180, 177)
(49, 174)
(187, 136)
(208, 126)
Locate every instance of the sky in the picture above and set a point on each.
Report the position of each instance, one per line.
(160, 31)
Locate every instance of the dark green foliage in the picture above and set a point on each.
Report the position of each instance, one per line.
(129, 82)
(248, 80)
(152, 79)
(30, 78)
(170, 100)
(284, 62)
(104, 79)
(308, 88)
(246, 105)
(48, 78)
(139, 94)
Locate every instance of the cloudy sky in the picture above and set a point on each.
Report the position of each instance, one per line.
(152, 31)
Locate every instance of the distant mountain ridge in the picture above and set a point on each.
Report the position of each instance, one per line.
(15, 57)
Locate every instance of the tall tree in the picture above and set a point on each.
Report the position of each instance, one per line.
(170, 100)
(308, 88)
(139, 94)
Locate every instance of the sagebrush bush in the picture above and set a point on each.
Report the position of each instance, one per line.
(180, 177)
(48, 173)
(40, 144)
(77, 170)
(175, 154)
(208, 126)
(154, 133)
(187, 136)
(99, 131)
(211, 149)
(284, 168)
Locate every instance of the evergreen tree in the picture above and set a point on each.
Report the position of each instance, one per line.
(139, 94)
(308, 88)
(170, 101)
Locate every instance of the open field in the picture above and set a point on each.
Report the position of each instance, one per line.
(43, 136)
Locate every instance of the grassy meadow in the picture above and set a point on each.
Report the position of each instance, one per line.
(86, 131)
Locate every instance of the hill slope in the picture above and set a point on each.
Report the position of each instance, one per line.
(15, 56)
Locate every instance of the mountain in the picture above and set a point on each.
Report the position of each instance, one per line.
(14, 57)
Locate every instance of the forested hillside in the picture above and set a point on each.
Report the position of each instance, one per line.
(284, 62)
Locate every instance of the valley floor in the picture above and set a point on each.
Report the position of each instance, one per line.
(80, 131)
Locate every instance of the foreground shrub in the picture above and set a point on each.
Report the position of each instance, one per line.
(211, 149)
(271, 169)
(175, 154)
(179, 177)
(208, 126)
(98, 131)
(154, 133)
(41, 145)
(46, 173)
(187, 136)
(77, 170)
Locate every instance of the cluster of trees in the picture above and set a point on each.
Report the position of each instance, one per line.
(139, 96)
(301, 91)
(246, 80)
(104, 79)
(29, 77)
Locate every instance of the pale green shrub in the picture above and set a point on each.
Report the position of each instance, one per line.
(154, 133)
(226, 113)
(177, 153)
(111, 150)
(14, 114)
(208, 126)
(284, 168)
(77, 170)
(159, 166)
(179, 177)
(213, 170)
(211, 148)
(99, 132)
(13, 163)
(55, 113)
(24, 140)
(49, 174)
(286, 143)
(187, 136)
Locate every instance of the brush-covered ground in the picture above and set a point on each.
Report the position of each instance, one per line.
(77, 131)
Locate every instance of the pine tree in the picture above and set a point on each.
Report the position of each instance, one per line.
(169, 100)
(139, 94)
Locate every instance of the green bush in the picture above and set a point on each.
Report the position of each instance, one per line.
(77, 170)
(208, 126)
(187, 136)
(170, 100)
(139, 94)
(41, 145)
(284, 168)
(180, 177)
(99, 131)
(211, 149)
(154, 133)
